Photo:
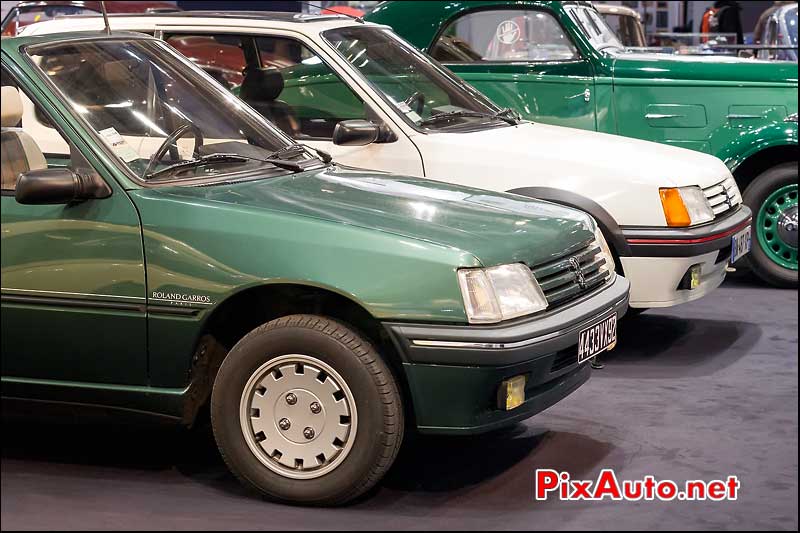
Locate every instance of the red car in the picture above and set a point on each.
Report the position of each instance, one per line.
(25, 13)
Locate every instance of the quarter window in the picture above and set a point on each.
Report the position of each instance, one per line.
(504, 35)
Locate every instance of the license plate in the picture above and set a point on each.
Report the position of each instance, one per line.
(740, 244)
(598, 338)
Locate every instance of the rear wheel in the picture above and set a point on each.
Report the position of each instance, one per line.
(773, 199)
(305, 411)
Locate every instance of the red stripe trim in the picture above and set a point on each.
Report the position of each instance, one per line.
(698, 240)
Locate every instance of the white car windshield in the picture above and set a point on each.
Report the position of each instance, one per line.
(421, 90)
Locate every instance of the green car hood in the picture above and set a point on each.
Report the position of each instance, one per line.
(704, 68)
(495, 228)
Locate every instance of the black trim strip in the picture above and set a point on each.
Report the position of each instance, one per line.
(51, 301)
(172, 310)
(740, 217)
(73, 302)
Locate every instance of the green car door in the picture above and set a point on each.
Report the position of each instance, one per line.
(73, 283)
(521, 58)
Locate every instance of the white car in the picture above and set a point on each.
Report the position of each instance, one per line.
(673, 217)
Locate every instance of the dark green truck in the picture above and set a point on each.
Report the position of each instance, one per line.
(559, 63)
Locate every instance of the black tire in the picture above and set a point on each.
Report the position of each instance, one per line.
(755, 195)
(375, 393)
(633, 312)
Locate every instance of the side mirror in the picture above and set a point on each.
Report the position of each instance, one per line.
(355, 133)
(58, 186)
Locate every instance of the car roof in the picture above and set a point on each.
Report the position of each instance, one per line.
(147, 21)
(612, 9)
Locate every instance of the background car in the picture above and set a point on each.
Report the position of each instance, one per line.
(626, 23)
(560, 63)
(25, 13)
(780, 29)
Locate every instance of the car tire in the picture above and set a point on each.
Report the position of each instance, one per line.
(265, 421)
(773, 189)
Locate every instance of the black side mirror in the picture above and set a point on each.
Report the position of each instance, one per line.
(59, 186)
(355, 133)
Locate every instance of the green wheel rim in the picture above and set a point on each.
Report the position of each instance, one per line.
(778, 213)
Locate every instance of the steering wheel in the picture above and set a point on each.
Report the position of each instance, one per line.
(416, 102)
(170, 144)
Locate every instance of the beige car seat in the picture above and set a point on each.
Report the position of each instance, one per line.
(20, 153)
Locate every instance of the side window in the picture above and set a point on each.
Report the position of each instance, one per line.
(504, 35)
(26, 145)
(299, 91)
(279, 77)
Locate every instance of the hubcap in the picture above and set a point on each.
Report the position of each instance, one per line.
(776, 226)
(298, 416)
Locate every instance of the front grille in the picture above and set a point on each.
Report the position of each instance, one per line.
(559, 278)
(723, 196)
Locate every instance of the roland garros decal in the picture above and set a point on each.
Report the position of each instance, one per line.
(180, 298)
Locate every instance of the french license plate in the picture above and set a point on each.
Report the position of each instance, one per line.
(598, 338)
(740, 244)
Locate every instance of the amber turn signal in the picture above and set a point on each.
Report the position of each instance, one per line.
(674, 208)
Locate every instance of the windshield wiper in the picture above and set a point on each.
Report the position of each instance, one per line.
(500, 115)
(226, 158)
(509, 115)
(199, 161)
(295, 148)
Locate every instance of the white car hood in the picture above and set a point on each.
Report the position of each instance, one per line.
(621, 174)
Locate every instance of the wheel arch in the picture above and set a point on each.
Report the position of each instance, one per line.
(763, 159)
(253, 306)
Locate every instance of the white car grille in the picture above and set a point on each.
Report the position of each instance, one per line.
(723, 196)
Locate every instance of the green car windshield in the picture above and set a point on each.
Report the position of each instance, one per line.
(422, 91)
(595, 28)
(156, 112)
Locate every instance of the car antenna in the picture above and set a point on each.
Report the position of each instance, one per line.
(105, 17)
(333, 10)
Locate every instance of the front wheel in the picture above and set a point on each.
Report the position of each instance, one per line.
(305, 411)
(773, 199)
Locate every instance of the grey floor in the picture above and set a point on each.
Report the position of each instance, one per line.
(697, 392)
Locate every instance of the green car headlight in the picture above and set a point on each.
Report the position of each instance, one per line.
(500, 293)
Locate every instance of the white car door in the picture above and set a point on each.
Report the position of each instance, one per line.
(289, 81)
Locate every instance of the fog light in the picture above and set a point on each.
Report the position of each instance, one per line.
(691, 280)
(512, 393)
(695, 273)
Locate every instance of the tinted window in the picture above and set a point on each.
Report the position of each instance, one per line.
(504, 35)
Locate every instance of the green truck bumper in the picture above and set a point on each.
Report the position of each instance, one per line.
(455, 373)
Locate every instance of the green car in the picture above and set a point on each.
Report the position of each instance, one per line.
(559, 63)
(167, 251)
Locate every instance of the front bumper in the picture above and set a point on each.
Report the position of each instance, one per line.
(454, 372)
(661, 257)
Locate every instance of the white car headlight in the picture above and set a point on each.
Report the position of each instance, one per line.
(685, 206)
(500, 293)
(605, 252)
